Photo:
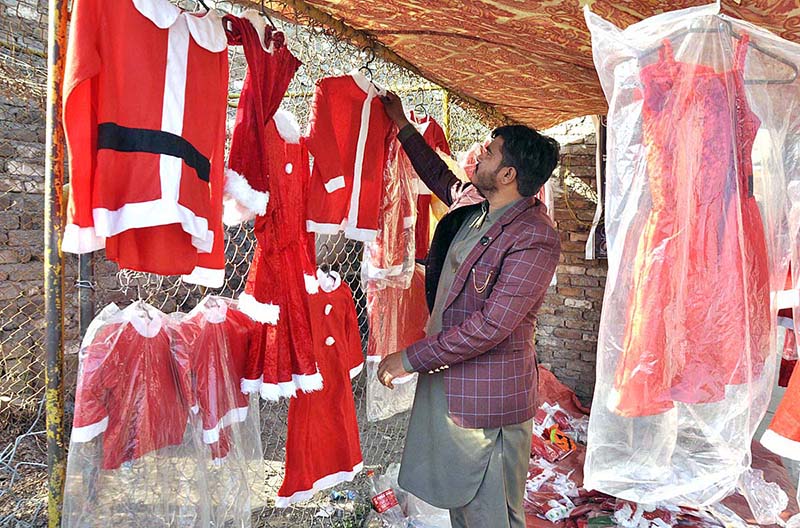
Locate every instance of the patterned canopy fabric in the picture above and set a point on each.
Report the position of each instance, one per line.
(532, 60)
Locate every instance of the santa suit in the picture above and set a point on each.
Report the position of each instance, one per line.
(435, 137)
(222, 341)
(322, 444)
(134, 387)
(146, 151)
(349, 137)
(281, 272)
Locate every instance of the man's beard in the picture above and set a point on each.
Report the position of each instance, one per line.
(485, 184)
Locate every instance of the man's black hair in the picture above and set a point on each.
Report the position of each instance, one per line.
(533, 155)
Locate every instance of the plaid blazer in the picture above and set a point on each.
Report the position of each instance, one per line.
(488, 325)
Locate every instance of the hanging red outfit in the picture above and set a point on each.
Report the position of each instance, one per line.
(322, 444)
(699, 317)
(349, 138)
(282, 271)
(435, 137)
(133, 387)
(146, 151)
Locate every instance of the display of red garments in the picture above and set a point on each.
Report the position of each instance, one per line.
(435, 137)
(223, 341)
(282, 271)
(699, 317)
(146, 152)
(134, 387)
(322, 444)
(349, 137)
(270, 68)
(783, 435)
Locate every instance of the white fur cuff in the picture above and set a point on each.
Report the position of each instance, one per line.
(261, 312)
(240, 198)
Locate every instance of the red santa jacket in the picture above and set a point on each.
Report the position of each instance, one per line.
(134, 387)
(222, 340)
(146, 151)
(349, 137)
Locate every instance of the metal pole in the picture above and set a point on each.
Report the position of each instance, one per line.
(53, 268)
(446, 115)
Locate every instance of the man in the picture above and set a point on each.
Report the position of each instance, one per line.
(489, 266)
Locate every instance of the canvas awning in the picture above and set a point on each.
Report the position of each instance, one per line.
(531, 60)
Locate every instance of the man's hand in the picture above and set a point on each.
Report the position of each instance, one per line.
(391, 367)
(394, 109)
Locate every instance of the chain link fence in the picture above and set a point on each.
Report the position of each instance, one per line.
(23, 471)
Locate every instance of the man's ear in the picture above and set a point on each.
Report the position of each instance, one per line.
(509, 175)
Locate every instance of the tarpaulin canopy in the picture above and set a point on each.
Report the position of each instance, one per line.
(531, 60)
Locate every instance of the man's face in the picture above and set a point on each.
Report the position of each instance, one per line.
(490, 162)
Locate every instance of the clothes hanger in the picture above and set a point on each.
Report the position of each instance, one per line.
(727, 27)
(265, 15)
(202, 3)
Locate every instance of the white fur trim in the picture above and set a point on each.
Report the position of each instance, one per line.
(785, 447)
(257, 311)
(325, 482)
(239, 189)
(249, 386)
(355, 371)
(787, 299)
(210, 278)
(334, 184)
(287, 126)
(87, 432)
(80, 240)
(287, 389)
(270, 392)
(234, 213)
(312, 285)
(323, 229)
(235, 415)
(308, 382)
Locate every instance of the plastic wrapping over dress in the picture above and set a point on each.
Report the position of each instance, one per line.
(389, 259)
(697, 218)
(162, 434)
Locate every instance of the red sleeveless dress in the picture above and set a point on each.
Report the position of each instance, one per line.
(698, 317)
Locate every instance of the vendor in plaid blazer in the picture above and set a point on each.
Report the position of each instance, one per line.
(490, 263)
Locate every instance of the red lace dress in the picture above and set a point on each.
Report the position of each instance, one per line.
(698, 318)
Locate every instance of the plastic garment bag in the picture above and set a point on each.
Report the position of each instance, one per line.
(389, 259)
(700, 156)
(162, 435)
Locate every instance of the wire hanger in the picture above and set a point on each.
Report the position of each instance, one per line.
(728, 28)
(202, 3)
(366, 67)
(266, 15)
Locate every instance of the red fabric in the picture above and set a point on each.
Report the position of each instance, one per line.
(281, 258)
(139, 385)
(673, 348)
(785, 426)
(222, 343)
(265, 83)
(116, 197)
(322, 444)
(397, 316)
(349, 138)
(435, 137)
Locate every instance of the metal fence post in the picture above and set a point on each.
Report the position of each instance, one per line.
(53, 261)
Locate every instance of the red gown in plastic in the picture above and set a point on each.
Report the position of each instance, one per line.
(698, 317)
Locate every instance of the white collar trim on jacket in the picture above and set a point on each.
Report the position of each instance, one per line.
(206, 30)
(145, 319)
(365, 84)
(328, 281)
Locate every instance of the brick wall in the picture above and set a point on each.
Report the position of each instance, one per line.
(569, 319)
